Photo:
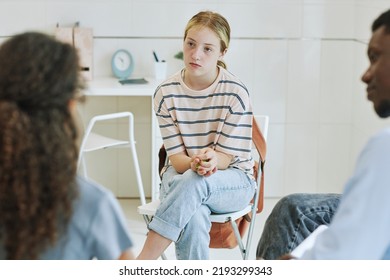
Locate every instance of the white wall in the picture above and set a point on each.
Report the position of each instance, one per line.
(301, 60)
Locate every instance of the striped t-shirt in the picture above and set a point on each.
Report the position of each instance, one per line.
(219, 117)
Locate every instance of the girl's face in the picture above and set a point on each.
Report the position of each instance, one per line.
(202, 50)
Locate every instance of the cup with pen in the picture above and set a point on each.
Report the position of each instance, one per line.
(160, 68)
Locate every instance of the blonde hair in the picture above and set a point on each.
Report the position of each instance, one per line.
(217, 23)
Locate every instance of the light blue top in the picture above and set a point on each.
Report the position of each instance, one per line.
(360, 228)
(97, 229)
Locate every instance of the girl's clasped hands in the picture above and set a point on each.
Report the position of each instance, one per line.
(205, 162)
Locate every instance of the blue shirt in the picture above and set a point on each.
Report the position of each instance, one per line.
(360, 228)
(97, 228)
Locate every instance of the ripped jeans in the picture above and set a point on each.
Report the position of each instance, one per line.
(186, 203)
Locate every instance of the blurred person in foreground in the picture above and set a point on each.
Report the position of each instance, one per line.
(46, 210)
(358, 225)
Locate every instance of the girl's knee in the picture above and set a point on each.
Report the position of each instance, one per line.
(190, 175)
(189, 181)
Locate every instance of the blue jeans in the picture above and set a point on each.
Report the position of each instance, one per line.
(293, 218)
(186, 203)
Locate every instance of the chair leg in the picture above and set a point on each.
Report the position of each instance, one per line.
(163, 256)
(84, 166)
(138, 173)
(146, 219)
(239, 239)
(250, 235)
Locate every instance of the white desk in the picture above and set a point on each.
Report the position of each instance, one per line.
(105, 95)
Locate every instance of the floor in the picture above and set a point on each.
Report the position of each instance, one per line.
(138, 231)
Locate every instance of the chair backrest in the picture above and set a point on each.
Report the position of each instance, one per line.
(263, 123)
(259, 136)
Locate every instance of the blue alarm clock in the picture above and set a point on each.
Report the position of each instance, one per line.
(122, 64)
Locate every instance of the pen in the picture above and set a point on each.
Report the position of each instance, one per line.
(155, 56)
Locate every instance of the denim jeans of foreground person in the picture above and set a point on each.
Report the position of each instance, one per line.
(186, 203)
(293, 219)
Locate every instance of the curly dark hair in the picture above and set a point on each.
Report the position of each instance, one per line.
(39, 78)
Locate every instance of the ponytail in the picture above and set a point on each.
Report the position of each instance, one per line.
(222, 64)
(16, 174)
(14, 139)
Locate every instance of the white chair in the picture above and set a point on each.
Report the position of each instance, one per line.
(256, 205)
(93, 141)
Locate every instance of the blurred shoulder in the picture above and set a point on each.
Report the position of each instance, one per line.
(91, 192)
